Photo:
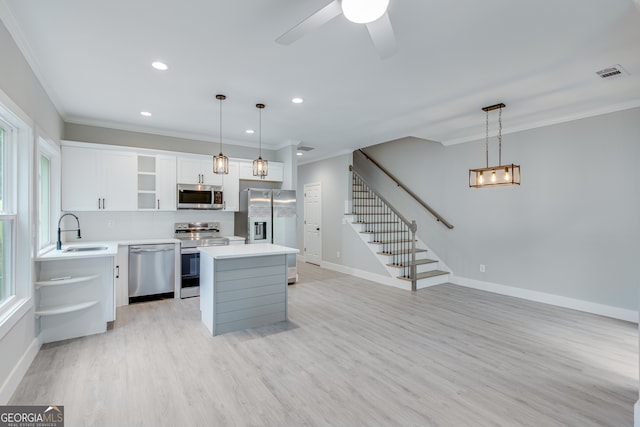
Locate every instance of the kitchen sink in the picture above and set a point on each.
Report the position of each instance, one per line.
(86, 248)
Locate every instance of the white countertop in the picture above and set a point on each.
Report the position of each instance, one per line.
(112, 248)
(244, 251)
(56, 255)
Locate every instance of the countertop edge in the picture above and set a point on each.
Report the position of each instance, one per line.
(246, 251)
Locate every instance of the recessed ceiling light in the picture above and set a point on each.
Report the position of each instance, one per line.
(297, 100)
(250, 131)
(299, 153)
(159, 65)
(145, 113)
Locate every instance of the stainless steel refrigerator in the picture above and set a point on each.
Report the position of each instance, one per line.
(269, 216)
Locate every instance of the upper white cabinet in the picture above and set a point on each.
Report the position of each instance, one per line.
(275, 171)
(197, 170)
(156, 182)
(231, 187)
(94, 179)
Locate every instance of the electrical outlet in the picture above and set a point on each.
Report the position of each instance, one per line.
(338, 254)
(481, 268)
(111, 223)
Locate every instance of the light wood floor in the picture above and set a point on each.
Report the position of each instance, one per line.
(353, 353)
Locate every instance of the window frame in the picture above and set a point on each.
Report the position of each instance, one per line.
(51, 150)
(19, 167)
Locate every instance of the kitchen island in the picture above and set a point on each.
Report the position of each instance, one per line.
(243, 286)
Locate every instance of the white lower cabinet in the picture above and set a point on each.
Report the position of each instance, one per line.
(122, 276)
(74, 297)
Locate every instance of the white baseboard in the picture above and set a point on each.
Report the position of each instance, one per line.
(18, 371)
(378, 278)
(560, 301)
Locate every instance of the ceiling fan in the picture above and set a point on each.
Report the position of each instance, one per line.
(372, 13)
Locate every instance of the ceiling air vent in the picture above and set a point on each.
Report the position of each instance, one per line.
(613, 71)
(303, 148)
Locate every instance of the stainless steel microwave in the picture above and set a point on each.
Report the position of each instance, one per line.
(199, 196)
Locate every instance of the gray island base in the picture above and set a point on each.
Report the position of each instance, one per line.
(243, 286)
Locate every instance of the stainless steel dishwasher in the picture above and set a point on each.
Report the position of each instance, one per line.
(151, 270)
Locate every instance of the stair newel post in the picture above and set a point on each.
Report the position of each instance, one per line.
(414, 281)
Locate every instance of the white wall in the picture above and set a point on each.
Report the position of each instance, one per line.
(100, 226)
(18, 83)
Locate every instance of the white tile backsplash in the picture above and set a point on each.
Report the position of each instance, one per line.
(104, 226)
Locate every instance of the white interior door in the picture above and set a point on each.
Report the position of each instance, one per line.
(312, 221)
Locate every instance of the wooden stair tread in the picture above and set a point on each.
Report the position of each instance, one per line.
(383, 232)
(425, 275)
(418, 262)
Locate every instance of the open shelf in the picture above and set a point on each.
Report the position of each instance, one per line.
(64, 281)
(62, 309)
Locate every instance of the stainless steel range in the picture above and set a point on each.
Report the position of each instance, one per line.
(193, 235)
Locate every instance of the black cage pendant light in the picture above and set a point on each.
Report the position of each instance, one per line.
(220, 162)
(492, 176)
(260, 166)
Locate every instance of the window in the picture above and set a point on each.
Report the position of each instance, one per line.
(16, 189)
(48, 191)
(44, 208)
(7, 217)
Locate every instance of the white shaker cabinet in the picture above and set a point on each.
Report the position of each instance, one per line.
(156, 182)
(275, 171)
(197, 170)
(94, 179)
(231, 187)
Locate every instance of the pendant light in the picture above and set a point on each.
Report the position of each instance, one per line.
(495, 175)
(260, 166)
(220, 162)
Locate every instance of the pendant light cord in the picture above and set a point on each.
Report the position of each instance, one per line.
(500, 136)
(220, 124)
(260, 135)
(486, 138)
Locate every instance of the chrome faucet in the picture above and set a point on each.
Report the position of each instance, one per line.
(59, 242)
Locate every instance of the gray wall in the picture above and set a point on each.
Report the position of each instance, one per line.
(101, 135)
(20, 84)
(337, 236)
(571, 229)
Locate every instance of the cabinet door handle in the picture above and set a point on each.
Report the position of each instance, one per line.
(117, 271)
(158, 203)
(99, 207)
(103, 204)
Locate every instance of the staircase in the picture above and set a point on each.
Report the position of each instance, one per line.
(392, 238)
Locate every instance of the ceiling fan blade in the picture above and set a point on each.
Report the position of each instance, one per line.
(382, 35)
(314, 21)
